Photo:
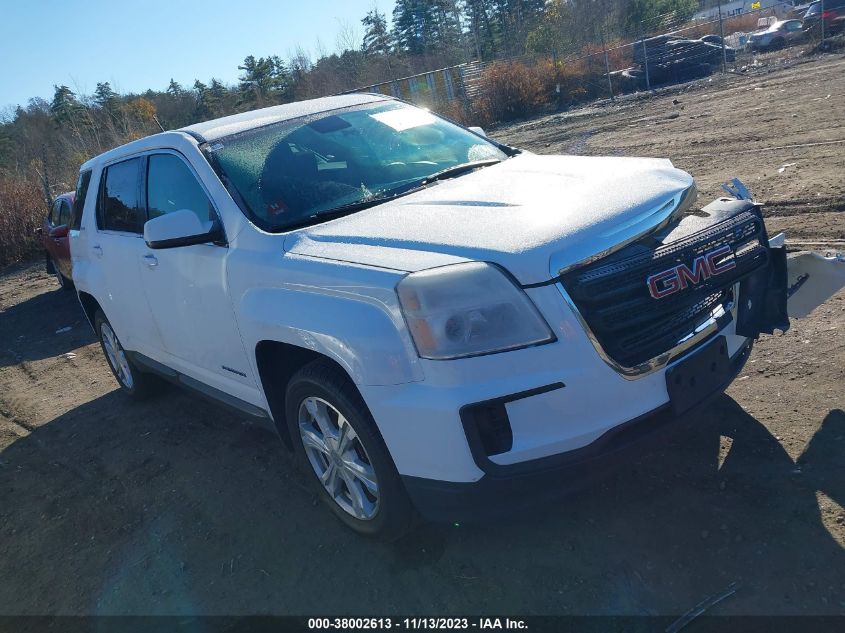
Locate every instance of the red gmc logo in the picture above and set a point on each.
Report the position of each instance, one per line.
(676, 279)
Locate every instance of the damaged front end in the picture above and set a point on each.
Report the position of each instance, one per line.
(799, 282)
(677, 287)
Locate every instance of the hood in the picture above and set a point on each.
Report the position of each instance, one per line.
(533, 215)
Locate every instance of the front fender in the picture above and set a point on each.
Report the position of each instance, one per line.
(360, 333)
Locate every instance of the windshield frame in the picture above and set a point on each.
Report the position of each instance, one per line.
(269, 227)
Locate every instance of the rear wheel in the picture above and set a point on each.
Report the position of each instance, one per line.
(340, 447)
(132, 381)
(64, 282)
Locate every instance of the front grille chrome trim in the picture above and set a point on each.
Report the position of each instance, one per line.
(720, 317)
(660, 217)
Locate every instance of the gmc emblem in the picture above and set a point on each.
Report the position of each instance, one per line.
(679, 277)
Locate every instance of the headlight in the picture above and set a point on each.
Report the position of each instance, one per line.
(468, 309)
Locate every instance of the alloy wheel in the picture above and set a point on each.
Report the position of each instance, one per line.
(338, 458)
(116, 356)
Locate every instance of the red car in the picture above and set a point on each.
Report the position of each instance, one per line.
(54, 233)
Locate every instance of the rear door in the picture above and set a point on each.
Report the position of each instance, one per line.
(50, 243)
(61, 240)
(187, 289)
(116, 249)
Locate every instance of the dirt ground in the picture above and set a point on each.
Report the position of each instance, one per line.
(175, 506)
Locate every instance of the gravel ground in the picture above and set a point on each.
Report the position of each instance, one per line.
(175, 506)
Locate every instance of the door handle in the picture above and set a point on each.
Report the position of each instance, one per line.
(98, 250)
(151, 261)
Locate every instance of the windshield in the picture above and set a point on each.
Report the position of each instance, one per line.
(295, 172)
(814, 8)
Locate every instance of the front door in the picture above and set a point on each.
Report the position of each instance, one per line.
(187, 289)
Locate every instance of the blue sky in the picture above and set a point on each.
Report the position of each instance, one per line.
(141, 44)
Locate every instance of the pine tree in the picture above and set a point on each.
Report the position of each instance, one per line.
(106, 98)
(175, 89)
(377, 39)
(65, 105)
(412, 20)
(263, 80)
(202, 110)
(515, 19)
(482, 30)
(424, 27)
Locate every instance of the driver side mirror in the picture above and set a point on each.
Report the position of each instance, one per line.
(478, 130)
(180, 228)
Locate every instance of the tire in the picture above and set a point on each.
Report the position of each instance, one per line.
(64, 283)
(133, 382)
(324, 413)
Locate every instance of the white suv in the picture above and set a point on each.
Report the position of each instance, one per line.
(428, 318)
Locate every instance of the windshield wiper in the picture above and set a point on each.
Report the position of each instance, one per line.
(457, 170)
(352, 207)
(389, 194)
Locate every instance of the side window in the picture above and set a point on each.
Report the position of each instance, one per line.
(119, 207)
(64, 213)
(172, 186)
(53, 217)
(79, 201)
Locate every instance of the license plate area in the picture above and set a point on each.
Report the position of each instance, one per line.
(693, 379)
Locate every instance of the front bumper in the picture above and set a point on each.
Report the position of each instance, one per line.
(509, 488)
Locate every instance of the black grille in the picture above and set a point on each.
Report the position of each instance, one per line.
(613, 298)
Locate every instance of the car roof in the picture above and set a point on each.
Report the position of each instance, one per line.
(224, 126)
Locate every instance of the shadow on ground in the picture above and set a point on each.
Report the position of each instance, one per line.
(51, 311)
(173, 506)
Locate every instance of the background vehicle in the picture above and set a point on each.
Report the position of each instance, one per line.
(54, 236)
(671, 59)
(798, 11)
(833, 17)
(410, 305)
(777, 35)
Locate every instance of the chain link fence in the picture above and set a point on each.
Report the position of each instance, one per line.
(507, 89)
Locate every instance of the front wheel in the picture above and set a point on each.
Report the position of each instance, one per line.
(339, 445)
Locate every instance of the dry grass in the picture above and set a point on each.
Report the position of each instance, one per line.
(22, 210)
(509, 91)
(515, 90)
